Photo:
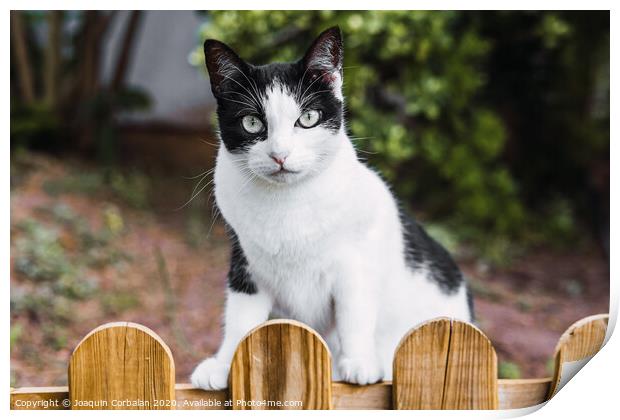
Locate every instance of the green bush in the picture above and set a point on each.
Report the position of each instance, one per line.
(422, 111)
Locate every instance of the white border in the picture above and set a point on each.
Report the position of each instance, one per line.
(591, 395)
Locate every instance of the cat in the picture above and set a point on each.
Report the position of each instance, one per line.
(316, 235)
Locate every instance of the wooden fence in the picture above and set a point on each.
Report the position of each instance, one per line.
(441, 364)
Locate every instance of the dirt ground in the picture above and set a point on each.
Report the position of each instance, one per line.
(170, 265)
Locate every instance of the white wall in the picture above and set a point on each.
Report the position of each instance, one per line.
(179, 92)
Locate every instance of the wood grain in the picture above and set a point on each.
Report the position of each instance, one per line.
(279, 362)
(471, 377)
(420, 366)
(445, 364)
(520, 393)
(581, 340)
(286, 360)
(362, 397)
(121, 365)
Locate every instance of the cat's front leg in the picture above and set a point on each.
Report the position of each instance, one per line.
(244, 311)
(356, 307)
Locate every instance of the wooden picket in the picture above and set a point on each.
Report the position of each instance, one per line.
(441, 364)
(445, 364)
(281, 361)
(120, 364)
(581, 341)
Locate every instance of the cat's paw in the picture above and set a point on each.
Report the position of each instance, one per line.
(360, 370)
(211, 375)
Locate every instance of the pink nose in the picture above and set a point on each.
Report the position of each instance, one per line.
(277, 158)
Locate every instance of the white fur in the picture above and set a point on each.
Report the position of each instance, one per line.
(324, 246)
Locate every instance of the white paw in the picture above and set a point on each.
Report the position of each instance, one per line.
(211, 375)
(360, 370)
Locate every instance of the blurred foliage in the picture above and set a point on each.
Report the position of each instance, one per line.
(482, 291)
(40, 256)
(16, 332)
(132, 188)
(508, 370)
(116, 302)
(550, 366)
(56, 256)
(102, 112)
(76, 109)
(41, 126)
(430, 98)
(196, 227)
(32, 125)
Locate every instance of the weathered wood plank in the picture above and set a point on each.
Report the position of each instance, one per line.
(445, 364)
(121, 365)
(281, 362)
(471, 375)
(420, 366)
(579, 342)
(115, 353)
(521, 393)
(357, 397)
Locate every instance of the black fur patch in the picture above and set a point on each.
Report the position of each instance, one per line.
(470, 304)
(261, 78)
(240, 87)
(422, 250)
(238, 276)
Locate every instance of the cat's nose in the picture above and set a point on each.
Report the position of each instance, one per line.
(278, 158)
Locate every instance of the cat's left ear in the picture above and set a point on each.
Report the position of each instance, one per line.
(222, 63)
(324, 58)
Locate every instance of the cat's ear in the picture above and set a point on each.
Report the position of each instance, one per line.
(222, 62)
(324, 57)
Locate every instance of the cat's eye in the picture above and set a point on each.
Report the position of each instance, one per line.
(309, 118)
(252, 124)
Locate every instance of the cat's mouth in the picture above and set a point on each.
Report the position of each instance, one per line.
(282, 171)
(283, 175)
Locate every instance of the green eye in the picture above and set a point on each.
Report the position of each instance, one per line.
(309, 118)
(252, 124)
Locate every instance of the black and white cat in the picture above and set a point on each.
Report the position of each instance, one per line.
(316, 235)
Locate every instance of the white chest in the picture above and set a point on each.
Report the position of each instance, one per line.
(289, 257)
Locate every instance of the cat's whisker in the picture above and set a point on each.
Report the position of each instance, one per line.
(200, 182)
(313, 82)
(242, 103)
(210, 144)
(232, 92)
(311, 96)
(199, 175)
(244, 88)
(253, 85)
(194, 195)
(300, 84)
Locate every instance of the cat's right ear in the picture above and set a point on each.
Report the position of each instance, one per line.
(324, 59)
(222, 62)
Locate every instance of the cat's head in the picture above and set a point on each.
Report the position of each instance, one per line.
(281, 121)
